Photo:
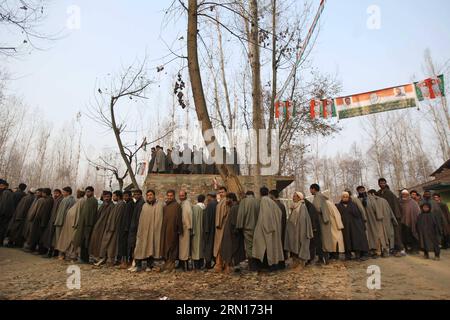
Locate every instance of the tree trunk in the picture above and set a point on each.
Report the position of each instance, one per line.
(274, 75)
(120, 145)
(120, 183)
(224, 78)
(226, 171)
(256, 84)
(216, 98)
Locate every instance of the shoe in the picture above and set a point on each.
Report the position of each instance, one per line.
(170, 267)
(437, 258)
(364, 258)
(148, 269)
(274, 268)
(398, 255)
(99, 263)
(295, 263)
(218, 267)
(135, 269)
(252, 266)
(228, 270)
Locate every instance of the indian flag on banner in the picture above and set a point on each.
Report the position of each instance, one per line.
(277, 109)
(285, 107)
(430, 88)
(289, 110)
(322, 108)
(328, 108)
(384, 100)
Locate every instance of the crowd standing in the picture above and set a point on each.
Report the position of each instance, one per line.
(131, 230)
(190, 161)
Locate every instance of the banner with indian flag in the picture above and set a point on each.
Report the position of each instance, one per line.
(287, 108)
(323, 109)
(431, 88)
(384, 100)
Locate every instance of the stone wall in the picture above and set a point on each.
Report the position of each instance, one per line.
(203, 184)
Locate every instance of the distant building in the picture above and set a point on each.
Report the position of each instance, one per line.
(440, 183)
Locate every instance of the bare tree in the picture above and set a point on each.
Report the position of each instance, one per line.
(22, 19)
(440, 117)
(108, 162)
(255, 62)
(111, 167)
(65, 154)
(372, 125)
(226, 171)
(223, 74)
(131, 84)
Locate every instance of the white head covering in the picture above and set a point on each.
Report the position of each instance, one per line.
(300, 195)
(345, 193)
(296, 205)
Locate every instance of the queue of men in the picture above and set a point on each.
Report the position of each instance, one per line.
(190, 161)
(132, 230)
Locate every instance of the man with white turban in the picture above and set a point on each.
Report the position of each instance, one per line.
(299, 231)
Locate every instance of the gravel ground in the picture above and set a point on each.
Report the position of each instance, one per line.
(28, 277)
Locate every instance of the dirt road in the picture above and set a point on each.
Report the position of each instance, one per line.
(25, 276)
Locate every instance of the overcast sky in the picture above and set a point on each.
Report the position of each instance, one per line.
(62, 79)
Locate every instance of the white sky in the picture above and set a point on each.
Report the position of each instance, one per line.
(63, 79)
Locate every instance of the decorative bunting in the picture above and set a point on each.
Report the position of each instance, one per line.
(288, 109)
